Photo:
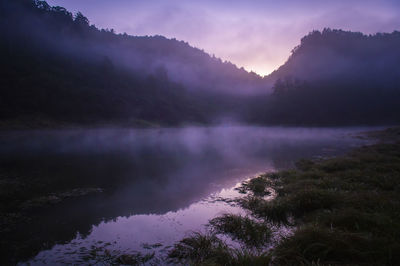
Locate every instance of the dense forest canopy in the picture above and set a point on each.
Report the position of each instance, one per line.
(58, 67)
(144, 54)
(339, 77)
(336, 53)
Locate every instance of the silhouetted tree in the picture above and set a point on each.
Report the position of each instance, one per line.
(81, 19)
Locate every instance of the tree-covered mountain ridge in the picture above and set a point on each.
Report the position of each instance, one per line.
(334, 53)
(337, 77)
(190, 66)
(58, 67)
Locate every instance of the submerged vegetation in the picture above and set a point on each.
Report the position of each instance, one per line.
(342, 211)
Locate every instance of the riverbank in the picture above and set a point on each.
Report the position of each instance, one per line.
(341, 211)
(68, 193)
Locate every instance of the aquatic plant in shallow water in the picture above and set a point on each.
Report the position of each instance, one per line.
(200, 248)
(242, 228)
(208, 249)
(257, 186)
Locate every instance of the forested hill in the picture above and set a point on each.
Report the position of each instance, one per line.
(342, 54)
(56, 66)
(336, 77)
(73, 34)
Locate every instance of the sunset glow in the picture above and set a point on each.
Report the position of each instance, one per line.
(258, 37)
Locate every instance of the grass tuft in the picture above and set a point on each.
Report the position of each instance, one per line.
(200, 249)
(245, 257)
(241, 228)
(258, 186)
(207, 249)
(276, 211)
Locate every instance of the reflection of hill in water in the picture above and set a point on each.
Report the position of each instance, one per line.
(146, 171)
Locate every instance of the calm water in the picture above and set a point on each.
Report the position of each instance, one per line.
(159, 184)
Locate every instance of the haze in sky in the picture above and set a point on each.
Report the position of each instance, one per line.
(254, 34)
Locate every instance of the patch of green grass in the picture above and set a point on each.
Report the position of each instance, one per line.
(309, 200)
(346, 210)
(275, 211)
(245, 257)
(208, 249)
(304, 164)
(243, 229)
(339, 164)
(296, 204)
(352, 220)
(200, 249)
(315, 243)
(258, 186)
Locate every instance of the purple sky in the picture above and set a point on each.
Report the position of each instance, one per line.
(255, 34)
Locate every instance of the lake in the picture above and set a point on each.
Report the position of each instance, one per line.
(141, 190)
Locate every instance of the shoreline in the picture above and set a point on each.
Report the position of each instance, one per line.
(43, 123)
(257, 221)
(343, 210)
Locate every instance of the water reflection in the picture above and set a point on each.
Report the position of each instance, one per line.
(150, 174)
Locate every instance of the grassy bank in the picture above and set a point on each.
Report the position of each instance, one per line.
(343, 211)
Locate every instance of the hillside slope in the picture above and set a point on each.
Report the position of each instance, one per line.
(336, 77)
(57, 67)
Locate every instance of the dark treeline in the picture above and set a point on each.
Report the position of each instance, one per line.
(57, 67)
(336, 77)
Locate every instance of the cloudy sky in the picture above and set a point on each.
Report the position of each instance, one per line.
(255, 34)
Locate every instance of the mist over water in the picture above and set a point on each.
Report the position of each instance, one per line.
(160, 178)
